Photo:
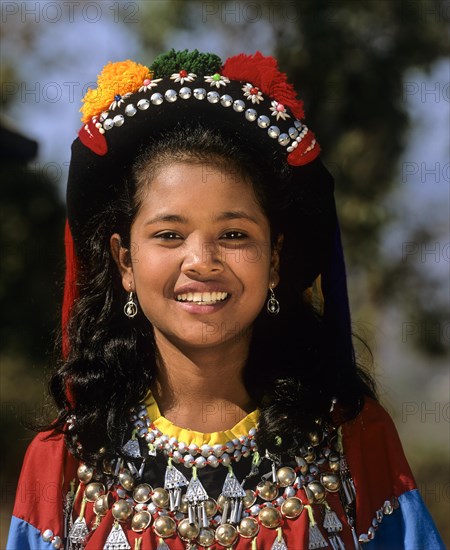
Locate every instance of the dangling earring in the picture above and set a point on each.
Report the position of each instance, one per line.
(273, 305)
(130, 308)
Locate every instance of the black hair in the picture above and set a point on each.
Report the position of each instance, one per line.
(295, 365)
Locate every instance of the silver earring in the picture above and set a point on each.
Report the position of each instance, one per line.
(273, 305)
(130, 309)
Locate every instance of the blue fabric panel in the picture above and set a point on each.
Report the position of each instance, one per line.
(23, 536)
(408, 528)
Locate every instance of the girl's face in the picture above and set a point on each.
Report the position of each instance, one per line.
(201, 259)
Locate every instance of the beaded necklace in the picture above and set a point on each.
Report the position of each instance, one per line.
(183, 508)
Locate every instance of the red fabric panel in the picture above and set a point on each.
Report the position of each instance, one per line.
(376, 461)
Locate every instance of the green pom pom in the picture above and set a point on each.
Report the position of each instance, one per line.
(202, 64)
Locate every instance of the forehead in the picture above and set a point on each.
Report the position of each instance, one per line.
(193, 186)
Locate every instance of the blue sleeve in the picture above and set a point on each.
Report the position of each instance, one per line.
(408, 528)
(23, 536)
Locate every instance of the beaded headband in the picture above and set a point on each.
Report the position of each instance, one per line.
(249, 85)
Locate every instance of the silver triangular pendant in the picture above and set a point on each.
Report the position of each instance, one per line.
(116, 539)
(174, 479)
(78, 532)
(331, 522)
(196, 492)
(232, 488)
(279, 544)
(162, 545)
(316, 539)
(131, 448)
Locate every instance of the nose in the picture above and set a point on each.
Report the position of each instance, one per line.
(202, 259)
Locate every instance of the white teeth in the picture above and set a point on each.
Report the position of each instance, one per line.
(202, 297)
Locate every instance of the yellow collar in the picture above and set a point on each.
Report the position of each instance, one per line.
(189, 436)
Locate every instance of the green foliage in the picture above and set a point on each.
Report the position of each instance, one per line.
(192, 62)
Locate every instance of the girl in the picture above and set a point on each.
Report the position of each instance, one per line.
(209, 395)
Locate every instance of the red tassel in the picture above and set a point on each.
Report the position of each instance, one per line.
(262, 71)
(91, 137)
(70, 287)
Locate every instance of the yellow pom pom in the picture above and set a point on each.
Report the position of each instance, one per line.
(118, 78)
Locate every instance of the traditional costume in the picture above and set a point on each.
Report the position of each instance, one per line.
(172, 488)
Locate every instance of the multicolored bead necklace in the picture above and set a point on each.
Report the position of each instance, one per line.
(183, 507)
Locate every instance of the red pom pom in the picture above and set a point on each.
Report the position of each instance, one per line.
(262, 71)
(91, 137)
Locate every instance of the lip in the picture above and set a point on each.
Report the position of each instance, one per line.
(192, 307)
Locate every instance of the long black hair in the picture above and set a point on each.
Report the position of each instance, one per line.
(296, 365)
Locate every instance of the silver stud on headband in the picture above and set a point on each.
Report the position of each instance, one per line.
(130, 110)
(108, 124)
(250, 115)
(118, 120)
(185, 92)
(143, 104)
(239, 105)
(199, 93)
(213, 97)
(263, 121)
(226, 100)
(273, 132)
(156, 98)
(170, 95)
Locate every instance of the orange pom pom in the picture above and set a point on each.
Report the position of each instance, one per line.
(118, 78)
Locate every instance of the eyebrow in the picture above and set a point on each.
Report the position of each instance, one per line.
(223, 216)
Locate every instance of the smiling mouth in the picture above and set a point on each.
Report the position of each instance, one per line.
(202, 298)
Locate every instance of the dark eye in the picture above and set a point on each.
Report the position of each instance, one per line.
(233, 235)
(168, 236)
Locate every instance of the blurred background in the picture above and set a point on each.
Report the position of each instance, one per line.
(374, 76)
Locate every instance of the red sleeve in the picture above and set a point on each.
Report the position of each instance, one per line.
(44, 481)
(376, 461)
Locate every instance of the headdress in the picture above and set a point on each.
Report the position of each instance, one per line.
(247, 97)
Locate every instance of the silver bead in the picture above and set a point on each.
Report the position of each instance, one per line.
(199, 93)
(218, 450)
(193, 449)
(254, 510)
(226, 100)
(108, 124)
(238, 105)
(289, 492)
(293, 132)
(47, 535)
(297, 123)
(170, 95)
(283, 139)
(273, 132)
(213, 97)
(206, 450)
(237, 455)
(371, 533)
(226, 461)
(130, 110)
(150, 437)
(250, 115)
(118, 120)
(213, 461)
(200, 462)
(229, 447)
(182, 447)
(185, 92)
(189, 461)
(156, 98)
(263, 121)
(143, 104)
(245, 451)
(57, 542)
